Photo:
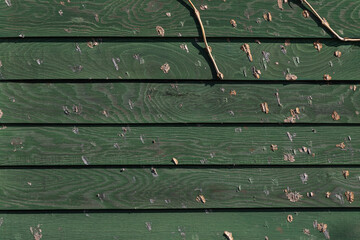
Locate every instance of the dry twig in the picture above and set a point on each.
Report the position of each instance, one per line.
(327, 25)
(208, 48)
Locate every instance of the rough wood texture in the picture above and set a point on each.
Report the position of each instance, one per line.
(115, 188)
(142, 59)
(147, 145)
(140, 18)
(175, 103)
(174, 225)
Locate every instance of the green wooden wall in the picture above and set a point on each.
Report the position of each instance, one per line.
(97, 142)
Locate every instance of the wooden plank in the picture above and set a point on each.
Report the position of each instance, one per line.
(140, 18)
(143, 58)
(157, 145)
(175, 225)
(175, 103)
(144, 188)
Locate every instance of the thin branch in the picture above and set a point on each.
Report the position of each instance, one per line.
(208, 48)
(327, 25)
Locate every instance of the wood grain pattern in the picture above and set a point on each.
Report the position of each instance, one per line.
(115, 188)
(139, 18)
(173, 225)
(148, 145)
(174, 103)
(51, 58)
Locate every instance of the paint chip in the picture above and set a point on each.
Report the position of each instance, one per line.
(175, 161)
(290, 77)
(306, 231)
(349, 196)
(289, 157)
(201, 198)
(256, 72)
(36, 232)
(327, 77)
(228, 235)
(165, 68)
(327, 194)
(293, 196)
(267, 16)
(233, 23)
(318, 45)
(290, 218)
(233, 92)
(341, 145)
(335, 116)
(203, 7)
(337, 54)
(306, 14)
(273, 147)
(246, 48)
(345, 173)
(264, 107)
(160, 31)
(1, 113)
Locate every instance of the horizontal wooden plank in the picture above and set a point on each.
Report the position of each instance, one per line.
(140, 18)
(148, 145)
(175, 103)
(173, 225)
(116, 188)
(143, 59)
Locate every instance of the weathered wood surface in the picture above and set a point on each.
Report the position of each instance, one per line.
(175, 225)
(175, 103)
(129, 188)
(157, 145)
(139, 18)
(142, 59)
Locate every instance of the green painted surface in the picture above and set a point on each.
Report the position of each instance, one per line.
(175, 103)
(146, 145)
(169, 188)
(140, 18)
(175, 225)
(115, 59)
(69, 143)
